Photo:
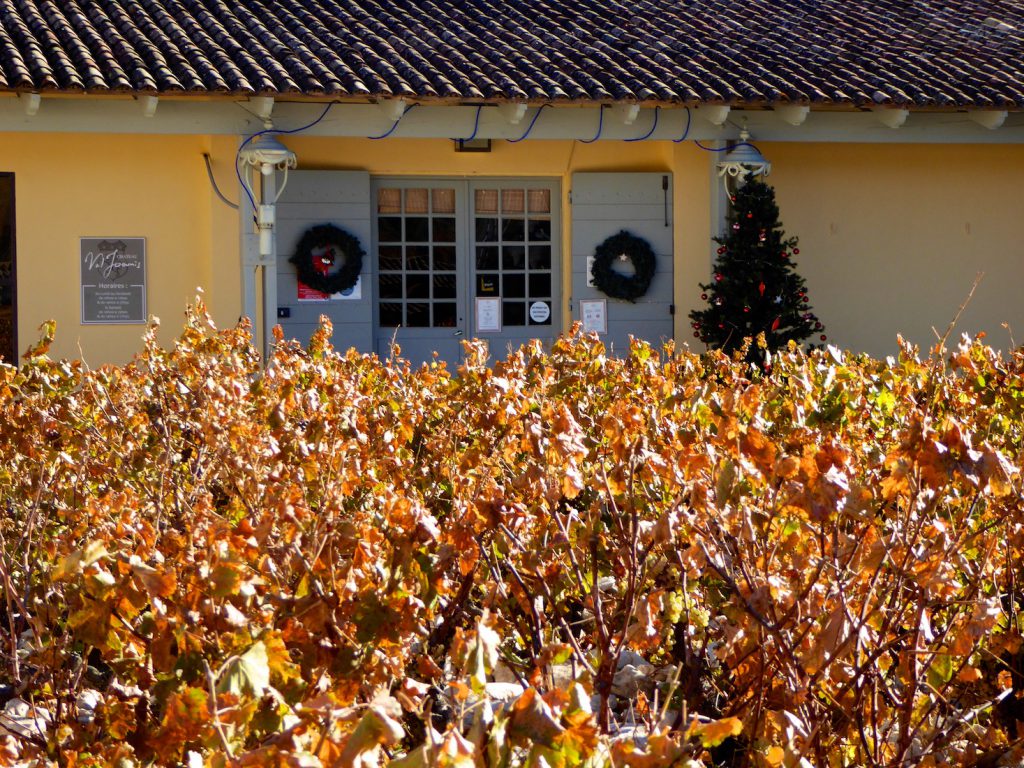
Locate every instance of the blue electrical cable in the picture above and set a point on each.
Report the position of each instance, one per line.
(476, 124)
(650, 132)
(530, 127)
(600, 127)
(264, 132)
(724, 149)
(687, 131)
(393, 127)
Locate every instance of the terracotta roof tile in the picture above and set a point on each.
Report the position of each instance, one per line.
(917, 53)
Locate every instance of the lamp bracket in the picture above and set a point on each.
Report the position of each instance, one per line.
(628, 113)
(393, 109)
(891, 117)
(513, 111)
(794, 114)
(716, 114)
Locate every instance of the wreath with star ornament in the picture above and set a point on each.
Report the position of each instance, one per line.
(621, 248)
(328, 259)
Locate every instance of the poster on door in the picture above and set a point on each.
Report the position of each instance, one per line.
(305, 293)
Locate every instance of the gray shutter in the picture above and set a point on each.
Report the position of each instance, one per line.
(341, 198)
(641, 204)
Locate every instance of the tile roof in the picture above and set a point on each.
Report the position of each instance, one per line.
(918, 53)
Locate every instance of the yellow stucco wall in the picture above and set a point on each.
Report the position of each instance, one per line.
(892, 236)
(70, 186)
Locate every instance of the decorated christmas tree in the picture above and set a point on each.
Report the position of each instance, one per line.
(755, 287)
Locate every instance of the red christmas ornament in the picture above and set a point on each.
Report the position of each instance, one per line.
(721, 325)
(746, 309)
(696, 335)
(704, 297)
(750, 215)
(823, 337)
(785, 255)
(796, 251)
(806, 299)
(775, 323)
(721, 250)
(760, 288)
(718, 276)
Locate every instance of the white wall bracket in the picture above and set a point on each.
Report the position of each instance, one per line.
(264, 108)
(628, 113)
(890, 117)
(32, 102)
(513, 111)
(716, 114)
(393, 109)
(794, 114)
(988, 118)
(149, 104)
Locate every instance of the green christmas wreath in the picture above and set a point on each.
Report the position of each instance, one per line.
(328, 259)
(623, 247)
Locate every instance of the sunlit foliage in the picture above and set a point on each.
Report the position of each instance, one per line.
(669, 559)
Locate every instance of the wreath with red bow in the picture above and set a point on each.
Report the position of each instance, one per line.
(328, 259)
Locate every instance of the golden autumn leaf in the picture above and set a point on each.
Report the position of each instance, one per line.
(713, 733)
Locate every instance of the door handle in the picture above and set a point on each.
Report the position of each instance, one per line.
(457, 333)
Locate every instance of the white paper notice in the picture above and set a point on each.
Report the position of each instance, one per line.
(594, 313)
(488, 315)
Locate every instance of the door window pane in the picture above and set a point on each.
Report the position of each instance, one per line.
(416, 201)
(513, 313)
(417, 229)
(540, 200)
(540, 286)
(540, 229)
(486, 257)
(486, 201)
(513, 286)
(540, 257)
(513, 257)
(444, 257)
(444, 230)
(513, 229)
(417, 286)
(389, 229)
(391, 258)
(445, 315)
(417, 257)
(443, 200)
(513, 201)
(390, 286)
(444, 286)
(389, 201)
(390, 314)
(417, 314)
(486, 230)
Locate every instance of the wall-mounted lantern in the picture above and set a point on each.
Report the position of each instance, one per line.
(266, 154)
(741, 161)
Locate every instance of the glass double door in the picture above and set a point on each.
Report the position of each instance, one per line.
(458, 259)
